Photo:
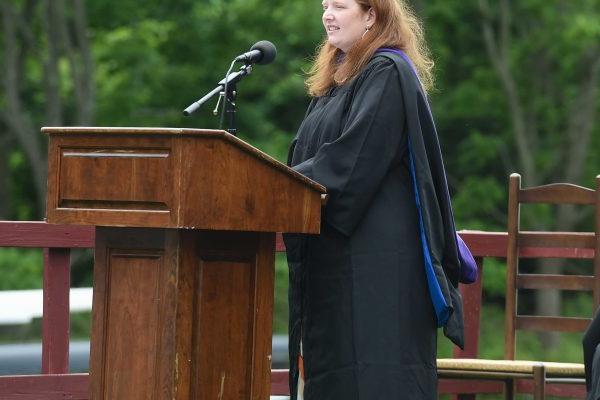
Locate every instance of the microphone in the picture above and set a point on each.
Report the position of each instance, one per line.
(262, 52)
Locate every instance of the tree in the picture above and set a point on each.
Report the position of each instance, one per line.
(523, 79)
(44, 85)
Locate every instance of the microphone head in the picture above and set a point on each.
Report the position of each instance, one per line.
(267, 49)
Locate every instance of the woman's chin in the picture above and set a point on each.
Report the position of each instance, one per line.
(335, 44)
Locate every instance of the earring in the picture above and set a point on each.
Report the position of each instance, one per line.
(366, 30)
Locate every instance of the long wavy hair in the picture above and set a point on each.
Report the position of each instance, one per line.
(396, 25)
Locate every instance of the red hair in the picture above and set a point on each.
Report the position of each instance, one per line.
(396, 25)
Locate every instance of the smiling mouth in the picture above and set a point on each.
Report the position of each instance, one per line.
(332, 28)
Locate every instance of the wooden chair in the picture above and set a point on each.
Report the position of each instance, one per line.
(526, 244)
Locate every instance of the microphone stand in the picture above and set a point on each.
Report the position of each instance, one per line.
(230, 109)
(229, 82)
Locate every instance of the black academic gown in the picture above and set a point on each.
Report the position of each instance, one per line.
(591, 358)
(358, 291)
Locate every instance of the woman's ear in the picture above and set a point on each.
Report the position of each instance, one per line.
(371, 17)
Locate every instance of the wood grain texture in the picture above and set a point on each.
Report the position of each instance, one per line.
(88, 178)
(462, 386)
(280, 382)
(132, 346)
(186, 258)
(495, 244)
(182, 314)
(562, 282)
(45, 387)
(75, 387)
(263, 320)
(539, 382)
(212, 133)
(512, 266)
(224, 328)
(42, 234)
(471, 295)
(557, 193)
(133, 343)
(174, 178)
(565, 390)
(55, 324)
(98, 180)
(239, 193)
(551, 324)
(580, 240)
(233, 315)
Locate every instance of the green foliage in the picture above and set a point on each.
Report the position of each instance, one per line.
(20, 192)
(26, 333)
(82, 264)
(494, 279)
(20, 269)
(280, 306)
(80, 329)
(151, 67)
(81, 325)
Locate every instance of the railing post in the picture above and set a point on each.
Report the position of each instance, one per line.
(55, 322)
(472, 296)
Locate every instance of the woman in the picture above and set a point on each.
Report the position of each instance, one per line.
(367, 294)
(591, 358)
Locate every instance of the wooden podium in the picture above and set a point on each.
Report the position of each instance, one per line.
(183, 270)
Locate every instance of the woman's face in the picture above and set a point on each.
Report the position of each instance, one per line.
(345, 22)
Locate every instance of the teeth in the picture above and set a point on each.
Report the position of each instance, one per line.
(332, 28)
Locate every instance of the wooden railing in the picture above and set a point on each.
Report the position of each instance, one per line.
(57, 242)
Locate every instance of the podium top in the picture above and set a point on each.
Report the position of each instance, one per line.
(214, 133)
(174, 178)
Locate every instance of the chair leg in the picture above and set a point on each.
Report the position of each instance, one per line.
(509, 389)
(539, 382)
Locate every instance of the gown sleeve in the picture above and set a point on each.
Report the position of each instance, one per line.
(353, 166)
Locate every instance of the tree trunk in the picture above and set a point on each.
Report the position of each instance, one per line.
(65, 38)
(18, 121)
(85, 79)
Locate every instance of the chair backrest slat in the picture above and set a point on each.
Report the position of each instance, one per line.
(562, 282)
(557, 193)
(552, 324)
(556, 252)
(583, 240)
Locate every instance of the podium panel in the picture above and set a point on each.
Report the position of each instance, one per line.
(88, 178)
(181, 314)
(174, 178)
